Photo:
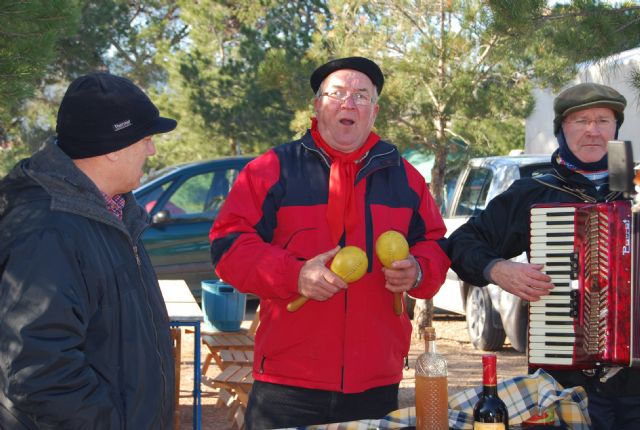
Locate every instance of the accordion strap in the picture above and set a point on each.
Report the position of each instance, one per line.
(557, 182)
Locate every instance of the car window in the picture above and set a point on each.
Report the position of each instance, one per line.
(149, 200)
(220, 186)
(201, 196)
(189, 197)
(473, 196)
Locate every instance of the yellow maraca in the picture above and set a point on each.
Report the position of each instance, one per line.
(392, 246)
(350, 263)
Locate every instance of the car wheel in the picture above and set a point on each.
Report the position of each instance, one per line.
(514, 315)
(483, 322)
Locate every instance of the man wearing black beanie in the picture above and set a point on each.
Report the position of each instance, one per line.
(84, 338)
(587, 117)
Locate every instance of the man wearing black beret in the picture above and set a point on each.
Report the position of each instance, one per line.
(340, 356)
(587, 117)
(84, 338)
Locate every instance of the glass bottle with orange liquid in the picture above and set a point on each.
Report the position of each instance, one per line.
(431, 387)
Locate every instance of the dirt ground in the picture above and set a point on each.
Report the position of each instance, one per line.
(465, 370)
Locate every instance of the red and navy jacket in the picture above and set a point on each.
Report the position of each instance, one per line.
(274, 220)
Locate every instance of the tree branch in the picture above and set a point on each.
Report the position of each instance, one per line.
(560, 16)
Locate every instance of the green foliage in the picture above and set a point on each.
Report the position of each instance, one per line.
(516, 16)
(125, 37)
(10, 155)
(571, 32)
(28, 36)
(228, 82)
(482, 133)
(235, 73)
(589, 30)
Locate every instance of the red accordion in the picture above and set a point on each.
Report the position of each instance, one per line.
(590, 252)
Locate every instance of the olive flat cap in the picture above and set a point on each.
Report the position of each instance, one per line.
(360, 64)
(586, 96)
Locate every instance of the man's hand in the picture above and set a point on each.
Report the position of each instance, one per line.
(402, 275)
(522, 279)
(316, 281)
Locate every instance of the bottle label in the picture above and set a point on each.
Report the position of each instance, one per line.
(488, 426)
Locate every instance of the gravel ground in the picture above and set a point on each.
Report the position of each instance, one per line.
(465, 370)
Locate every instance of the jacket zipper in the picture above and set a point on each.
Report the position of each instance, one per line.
(346, 298)
(328, 164)
(373, 157)
(138, 262)
(155, 332)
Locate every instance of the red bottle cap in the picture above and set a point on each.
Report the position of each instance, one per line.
(489, 376)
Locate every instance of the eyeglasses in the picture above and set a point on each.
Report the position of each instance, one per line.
(358, 97)
(600, 123)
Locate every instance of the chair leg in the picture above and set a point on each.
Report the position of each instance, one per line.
(207, 363)
(238, 418)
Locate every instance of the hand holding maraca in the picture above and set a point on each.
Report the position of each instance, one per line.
(316, 281)
(392, 246)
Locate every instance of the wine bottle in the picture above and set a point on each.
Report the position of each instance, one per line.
(432, 410)
(489, 412)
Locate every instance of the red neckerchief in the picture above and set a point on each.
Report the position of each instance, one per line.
(342, 213)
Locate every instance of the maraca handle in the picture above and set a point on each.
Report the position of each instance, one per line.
(297, 303)
(397, 303)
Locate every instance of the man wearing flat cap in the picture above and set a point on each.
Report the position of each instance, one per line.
(587, 117)
(340, 356)
(84, 335)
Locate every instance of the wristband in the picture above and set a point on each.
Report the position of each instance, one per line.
(419, 278)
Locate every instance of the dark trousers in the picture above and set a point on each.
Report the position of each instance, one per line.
(277, 406)
(614, 413)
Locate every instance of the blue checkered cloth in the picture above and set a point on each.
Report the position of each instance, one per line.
(524, 396)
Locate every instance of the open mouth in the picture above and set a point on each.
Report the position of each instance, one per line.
(347, 122)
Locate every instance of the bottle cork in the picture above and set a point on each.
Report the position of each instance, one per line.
(429, 335)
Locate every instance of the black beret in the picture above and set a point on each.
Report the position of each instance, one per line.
(360, 64)
(586, 96)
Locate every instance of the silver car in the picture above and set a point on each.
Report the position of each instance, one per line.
(491, 313)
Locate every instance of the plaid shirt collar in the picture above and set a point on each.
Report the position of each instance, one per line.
(115, 204)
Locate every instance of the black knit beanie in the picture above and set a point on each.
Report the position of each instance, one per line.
(102, 113)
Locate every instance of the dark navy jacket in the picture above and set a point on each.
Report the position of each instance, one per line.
(502, 231)
(84, 335)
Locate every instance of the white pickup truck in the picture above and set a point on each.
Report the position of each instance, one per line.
(491, 313)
